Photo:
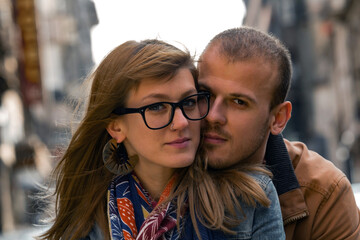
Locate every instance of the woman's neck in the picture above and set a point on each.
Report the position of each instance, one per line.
(153, 178)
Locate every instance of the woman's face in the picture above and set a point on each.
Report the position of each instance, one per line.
(173, 146)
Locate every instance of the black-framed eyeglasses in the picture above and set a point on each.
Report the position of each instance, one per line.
(159, 115)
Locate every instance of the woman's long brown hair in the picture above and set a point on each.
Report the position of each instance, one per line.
(81, 178)
(213, 195)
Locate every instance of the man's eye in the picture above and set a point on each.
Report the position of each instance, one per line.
(239, 102)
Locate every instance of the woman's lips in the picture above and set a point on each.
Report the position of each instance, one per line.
(179, 143)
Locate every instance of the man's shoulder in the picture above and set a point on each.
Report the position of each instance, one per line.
(314, 171)
(327, 193)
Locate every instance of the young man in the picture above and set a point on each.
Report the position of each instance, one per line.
(248, 74)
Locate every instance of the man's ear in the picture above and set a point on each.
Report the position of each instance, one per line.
(281, 114)
(116, 130)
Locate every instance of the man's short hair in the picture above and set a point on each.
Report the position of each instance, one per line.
(246, 43)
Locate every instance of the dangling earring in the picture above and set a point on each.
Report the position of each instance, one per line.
(116, 159)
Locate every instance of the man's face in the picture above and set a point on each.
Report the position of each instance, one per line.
(238, 124)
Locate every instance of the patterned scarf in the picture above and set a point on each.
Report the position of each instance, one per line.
(129, 208)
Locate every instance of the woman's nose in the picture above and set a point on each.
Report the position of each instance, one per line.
(179, 121)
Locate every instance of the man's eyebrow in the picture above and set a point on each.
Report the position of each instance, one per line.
(203, 86)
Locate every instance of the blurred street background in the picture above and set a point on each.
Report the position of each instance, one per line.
(47, 48)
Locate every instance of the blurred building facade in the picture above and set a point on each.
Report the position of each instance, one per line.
(323, 37)
(45, 52)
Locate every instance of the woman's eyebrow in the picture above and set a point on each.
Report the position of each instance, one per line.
(168, 97)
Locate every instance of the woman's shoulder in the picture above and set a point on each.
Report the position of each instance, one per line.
(262, 179)
(94, 234)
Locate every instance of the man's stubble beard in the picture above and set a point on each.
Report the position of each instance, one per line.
(247, 157)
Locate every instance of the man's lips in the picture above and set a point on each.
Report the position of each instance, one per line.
(214, 138)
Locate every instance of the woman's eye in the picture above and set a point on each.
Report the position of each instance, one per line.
(156, 107)
(189, 102)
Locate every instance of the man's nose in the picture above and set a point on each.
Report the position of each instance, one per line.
(217, 112)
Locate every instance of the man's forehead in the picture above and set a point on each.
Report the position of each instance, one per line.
(209, 60)
(249, 78)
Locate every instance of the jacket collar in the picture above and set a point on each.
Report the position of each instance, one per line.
(293, 205)
(278, 161)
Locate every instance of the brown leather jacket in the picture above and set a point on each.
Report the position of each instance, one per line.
(324, 206)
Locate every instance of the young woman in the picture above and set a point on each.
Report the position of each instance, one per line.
(131, 171)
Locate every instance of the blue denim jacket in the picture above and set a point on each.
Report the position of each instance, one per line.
(260, 223)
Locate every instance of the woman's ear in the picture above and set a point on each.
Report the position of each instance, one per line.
(116, 130)
(281, 114)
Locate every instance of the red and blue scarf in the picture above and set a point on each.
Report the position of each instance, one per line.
(131, 215)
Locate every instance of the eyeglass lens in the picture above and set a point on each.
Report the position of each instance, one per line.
(160, 114)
